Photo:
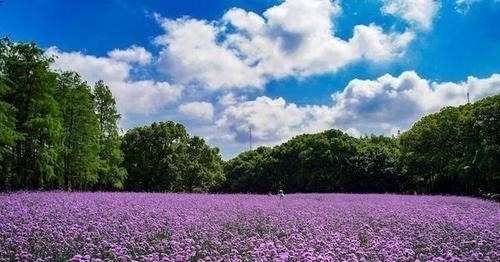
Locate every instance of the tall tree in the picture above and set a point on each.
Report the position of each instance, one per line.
(110, 172)
(8, 134)
(37, 114)
(80, 152)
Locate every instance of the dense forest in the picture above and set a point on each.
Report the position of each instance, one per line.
(454, 151)
(56, 131)
(59, 132)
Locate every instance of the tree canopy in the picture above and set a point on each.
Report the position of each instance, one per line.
(455, 151)
(163, 157)
(331, 161)
(50, 132)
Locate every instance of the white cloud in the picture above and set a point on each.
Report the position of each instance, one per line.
(90, 67)
(416, 12)
(303, 17)
(191, 54)
(390, 103)
(197, 110)
(144, 97)
(134, 98)
(382, 106)
(463, 6)
(373, 44)
(272, 120)
(230, 99)
(133, 54)
(244, 49)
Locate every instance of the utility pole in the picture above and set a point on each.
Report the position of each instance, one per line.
(250, 136)
(468, 98)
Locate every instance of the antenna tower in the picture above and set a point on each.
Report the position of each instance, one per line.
(250, 136)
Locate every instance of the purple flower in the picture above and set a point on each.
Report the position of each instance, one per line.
(58, 226)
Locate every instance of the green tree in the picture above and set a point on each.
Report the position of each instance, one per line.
(37, 114)
(375, 168)
(252, 171)
(162, 157)
(431, 150)
(153, 156)
(8, 134)
(80, 152)
(110, 173)
(456, 150)
(331, 161)
(483, 164)
(203, 166)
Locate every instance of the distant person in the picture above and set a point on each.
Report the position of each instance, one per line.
(281, 195)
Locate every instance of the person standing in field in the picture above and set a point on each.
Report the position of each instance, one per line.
(281, 195)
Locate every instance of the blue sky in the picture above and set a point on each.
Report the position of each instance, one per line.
(280, 67)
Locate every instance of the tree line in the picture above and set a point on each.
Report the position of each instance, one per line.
(56, 131)
(59, 132)
(454, 151)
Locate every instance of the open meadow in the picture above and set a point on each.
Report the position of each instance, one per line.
(59, 226)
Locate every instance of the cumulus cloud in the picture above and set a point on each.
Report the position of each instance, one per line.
(373, 44)
(145, 97)
(271, 120)
(197, 110)
(192, 54)
(134, 54)
(381, 106)
(419, 13)
(245, 49)
(390, 103)
(134, 98)
(90, 67)
(230, 99)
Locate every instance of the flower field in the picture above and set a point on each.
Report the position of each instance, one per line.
(58, 226)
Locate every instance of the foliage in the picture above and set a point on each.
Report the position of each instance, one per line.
(330, 161)
(50, 136)
(251, 172)
(80, 152)
(8, 134)
(110, 173)
(455, 151)
(202, 169)
(38, 121)
(162, 157)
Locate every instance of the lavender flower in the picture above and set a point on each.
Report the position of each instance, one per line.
(59, 226)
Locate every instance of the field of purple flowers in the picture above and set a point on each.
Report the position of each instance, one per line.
(59, 226)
